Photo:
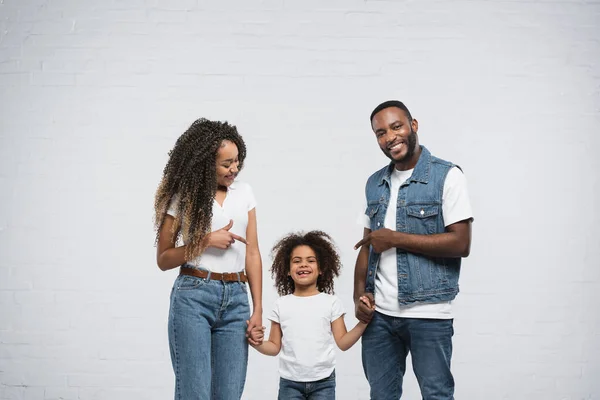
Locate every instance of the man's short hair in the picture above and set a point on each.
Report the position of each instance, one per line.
(388, 104)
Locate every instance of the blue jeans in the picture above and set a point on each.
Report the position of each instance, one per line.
(385, 345)
(207, 338)
(323, 389)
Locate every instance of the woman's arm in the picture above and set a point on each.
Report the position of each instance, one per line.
(254, 271)
(272, 346)
(167, 255)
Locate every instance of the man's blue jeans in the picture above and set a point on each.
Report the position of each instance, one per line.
(385, 345)
(323, 389)
(207, 338)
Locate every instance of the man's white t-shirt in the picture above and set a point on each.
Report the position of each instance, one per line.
(237, 203)
(455, 207)
(307, 343)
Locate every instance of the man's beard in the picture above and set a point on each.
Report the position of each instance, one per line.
(411, 147)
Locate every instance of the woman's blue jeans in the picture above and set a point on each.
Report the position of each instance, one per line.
(207, 338)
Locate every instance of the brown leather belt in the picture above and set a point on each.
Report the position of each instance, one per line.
(215, 276)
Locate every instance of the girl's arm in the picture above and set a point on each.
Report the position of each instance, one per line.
(272, 346)
(254, 271)
(167, 255)
(343, 338)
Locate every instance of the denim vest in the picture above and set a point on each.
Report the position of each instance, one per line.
(418, 211)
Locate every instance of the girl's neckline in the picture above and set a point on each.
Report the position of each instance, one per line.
(310, 295)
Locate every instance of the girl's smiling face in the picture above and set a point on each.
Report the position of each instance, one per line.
(304, 267)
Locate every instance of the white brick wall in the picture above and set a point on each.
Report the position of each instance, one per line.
(93, 95)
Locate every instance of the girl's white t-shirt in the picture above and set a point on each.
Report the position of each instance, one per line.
(239, 200)
(307, 343)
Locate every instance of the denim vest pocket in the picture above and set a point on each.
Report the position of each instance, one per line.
(422, 219)
(373, 211)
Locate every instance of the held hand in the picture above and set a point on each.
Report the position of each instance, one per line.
(223, 239)
(381, 240)
(256, 335)
(255, 322)
(367, 301)
(365, 306)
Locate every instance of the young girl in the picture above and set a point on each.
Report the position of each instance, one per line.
(200, 200)
(307, 318)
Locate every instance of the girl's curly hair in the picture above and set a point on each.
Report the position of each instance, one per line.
(190, 179)
(328, 260)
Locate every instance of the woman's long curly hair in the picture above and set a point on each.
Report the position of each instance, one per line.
(190, 179)
(327, 259)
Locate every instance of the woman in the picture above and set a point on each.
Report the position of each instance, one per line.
(200, 201)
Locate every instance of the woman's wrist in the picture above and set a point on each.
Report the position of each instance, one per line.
(207, 240)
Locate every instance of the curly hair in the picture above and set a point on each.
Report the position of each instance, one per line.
(328, 260)
(190, 180)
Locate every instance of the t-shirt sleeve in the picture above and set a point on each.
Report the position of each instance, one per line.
(456, 205)
(274, 314)
(173, 206)
(250, 197)
(337, 308)
(362, 218)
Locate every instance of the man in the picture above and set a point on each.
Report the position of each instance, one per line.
(417, 226)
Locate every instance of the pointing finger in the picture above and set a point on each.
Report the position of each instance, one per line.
(361, 242)
(239, 238)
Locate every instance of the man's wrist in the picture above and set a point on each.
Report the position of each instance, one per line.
(357, 297)
(397, 239)
(358, 301)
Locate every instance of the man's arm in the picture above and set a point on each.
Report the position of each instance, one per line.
(363, 312)
(454, 243)
(254, 271)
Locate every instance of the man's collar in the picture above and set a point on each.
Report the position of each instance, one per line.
(420, 172)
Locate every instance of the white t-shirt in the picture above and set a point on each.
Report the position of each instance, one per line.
(307, 343)
(455, 207)
(237, 203)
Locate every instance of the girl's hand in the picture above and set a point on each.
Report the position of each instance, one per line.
(367, 302)
(222, 238)
(256, 335)
(365, 306)
(254, 324)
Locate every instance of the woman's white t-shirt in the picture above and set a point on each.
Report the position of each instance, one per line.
(307, 344)
(239, 200)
